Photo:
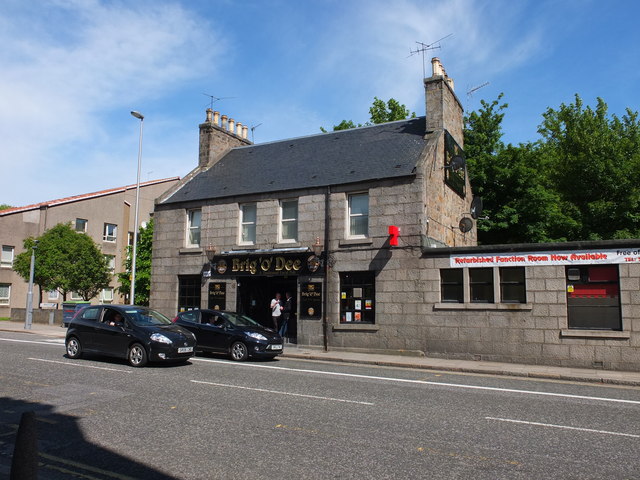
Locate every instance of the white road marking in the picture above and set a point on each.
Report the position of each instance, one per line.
(49, 342)
(424, 382)
(282, 393)
(71, 364)
(563, 427)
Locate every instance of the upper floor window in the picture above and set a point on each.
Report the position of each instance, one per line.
(359, 215)
(75, 296)
(5, 293)
(110, 232)
(53, 295)
(130, 236)
(107, 295)
(81, 225)
(289, 220)
(248, 217)
(111, 262)
(7, 256)
(194, 218)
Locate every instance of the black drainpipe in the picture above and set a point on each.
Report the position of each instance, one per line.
(327, 225)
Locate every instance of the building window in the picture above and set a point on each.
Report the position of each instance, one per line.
(451, 289)
(110, 232)
(53, 295)
(481, 285)
(512, 285)
(357, 297)
(359, 215)
(248, 217)
(107, 295)
(75, 296)
(5, 293)
(130, 236)
(194, 218)
(593, 297)
(7, 256)
(189, 292)
(81, 225)
(111, 262)
(289, 220)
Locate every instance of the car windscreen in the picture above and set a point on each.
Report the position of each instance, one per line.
(145, 316)
(241, 320)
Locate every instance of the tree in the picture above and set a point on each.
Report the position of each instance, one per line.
(4, 206)
(65, 261)
(143, 267)
(380, 112)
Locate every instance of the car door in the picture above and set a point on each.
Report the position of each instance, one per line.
(84, 326)
(112, 339)
(213, 331)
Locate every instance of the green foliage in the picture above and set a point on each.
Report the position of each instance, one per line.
(65, 261)
(4, 206)
(380, 112)
(143, 267)
(580, 181)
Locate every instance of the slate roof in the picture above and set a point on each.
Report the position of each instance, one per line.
(388, 150)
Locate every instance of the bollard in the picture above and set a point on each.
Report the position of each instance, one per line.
(24, 465)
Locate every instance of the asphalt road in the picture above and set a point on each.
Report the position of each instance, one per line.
(98, 418)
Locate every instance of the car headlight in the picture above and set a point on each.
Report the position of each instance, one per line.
(256, 335)
(158, 337)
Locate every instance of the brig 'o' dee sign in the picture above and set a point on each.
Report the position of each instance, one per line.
(568, 257)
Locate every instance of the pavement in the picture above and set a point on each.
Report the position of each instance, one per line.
(292, 350)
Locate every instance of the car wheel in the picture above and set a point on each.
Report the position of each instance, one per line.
(137, 356)
(239, 352)
(74, 349)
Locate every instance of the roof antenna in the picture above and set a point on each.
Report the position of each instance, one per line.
(252, 130)
(423, 47)
(215, 99)
(475, 89)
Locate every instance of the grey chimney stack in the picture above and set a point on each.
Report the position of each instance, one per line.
(444, 109)
(219, 134)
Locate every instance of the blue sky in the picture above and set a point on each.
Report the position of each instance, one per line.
(72, 70)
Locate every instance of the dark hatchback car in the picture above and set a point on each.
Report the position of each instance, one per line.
(137, 334)
(230, 333)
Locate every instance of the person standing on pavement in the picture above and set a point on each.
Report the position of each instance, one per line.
(286, 313)
(276, 311)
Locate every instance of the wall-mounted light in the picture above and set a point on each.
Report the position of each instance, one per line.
(210, 251)
(317, 247)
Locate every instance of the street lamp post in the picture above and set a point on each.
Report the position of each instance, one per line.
(132, 294)
(28, 320)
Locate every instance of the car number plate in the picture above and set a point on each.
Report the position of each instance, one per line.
(276, 347)
(185, 349)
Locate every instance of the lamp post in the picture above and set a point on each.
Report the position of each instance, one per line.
(132, 294)
(29, 315)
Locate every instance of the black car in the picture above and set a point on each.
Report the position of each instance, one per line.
(137, 334)
(231, 333)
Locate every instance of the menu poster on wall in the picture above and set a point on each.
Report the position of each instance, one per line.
(358, 305)
(311, 300)
(348, 317)
(357, 316)
(343, 295)
(368, 304)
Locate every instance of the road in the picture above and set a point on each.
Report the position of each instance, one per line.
(98, 418)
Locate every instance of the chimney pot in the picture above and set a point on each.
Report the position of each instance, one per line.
(245, 131)
(224, 122)
(436, 67)
(232, 125)
(209, 112)
(239, 129)
(216, 118)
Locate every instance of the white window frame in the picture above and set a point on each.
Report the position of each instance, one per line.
(111, 262)
(75, 296)
(110, 235)
(194, 230)
(5, 300)
(248, 226)
(86, 223)
(106, 296)
(53, 294)
(351, 216)
(8, 256)
(287, 222)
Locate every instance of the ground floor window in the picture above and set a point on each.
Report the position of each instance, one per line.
(189, 292)
(593, 297)
(483, 285)
(451, 286)
(357, 297)
(512, 285)
(5, 293)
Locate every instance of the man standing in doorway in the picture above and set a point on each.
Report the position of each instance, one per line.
(286, 313)
(276, 311)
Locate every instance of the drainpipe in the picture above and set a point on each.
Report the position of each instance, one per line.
(327, 224)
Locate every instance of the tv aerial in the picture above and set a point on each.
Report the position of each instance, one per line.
(423, 47)
(215, 99)
(253, 128)
(475, 89)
